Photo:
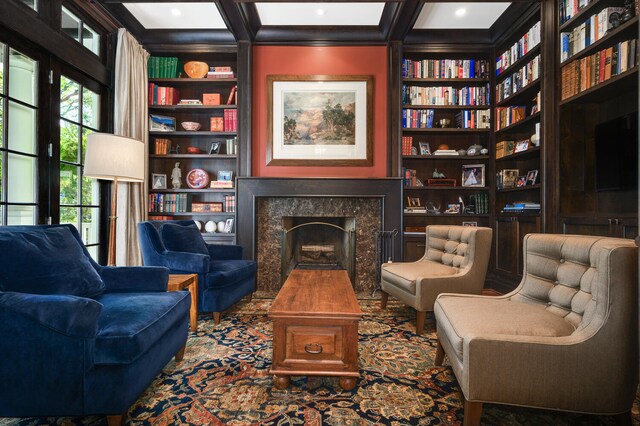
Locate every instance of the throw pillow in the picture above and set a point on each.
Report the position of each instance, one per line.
(46, 261)
(183, 238)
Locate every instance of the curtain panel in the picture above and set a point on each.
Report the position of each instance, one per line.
(130, 119)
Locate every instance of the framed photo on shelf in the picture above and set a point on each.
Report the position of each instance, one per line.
(521, 181)
(225, 175)
(312, 124)
(413, 202)
(532, 177)
(509, 177)
(228, 226)
(425, 149)
(473, 175)
(215, 148)
(158, 181)
(453, 209)
(522, 145)
(161, 123)
(469, 223)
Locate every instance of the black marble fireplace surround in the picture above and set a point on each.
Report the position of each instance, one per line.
(262, 203)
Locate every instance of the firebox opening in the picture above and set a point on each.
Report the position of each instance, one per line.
(318, 243)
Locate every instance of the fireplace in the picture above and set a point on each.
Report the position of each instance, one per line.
(318, 243)
(266, 208)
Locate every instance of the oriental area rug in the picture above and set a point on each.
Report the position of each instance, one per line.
(224, 380)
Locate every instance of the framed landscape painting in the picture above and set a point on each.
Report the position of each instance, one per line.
(319, 120)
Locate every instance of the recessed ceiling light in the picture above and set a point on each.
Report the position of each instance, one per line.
(461, 11)
(176, 12)
(320, 12)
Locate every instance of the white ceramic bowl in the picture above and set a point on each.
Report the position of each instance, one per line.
(191, 125)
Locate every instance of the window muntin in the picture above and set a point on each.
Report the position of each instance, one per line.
(78, 30)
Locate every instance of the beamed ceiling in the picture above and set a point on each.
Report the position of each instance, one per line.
(174, 22)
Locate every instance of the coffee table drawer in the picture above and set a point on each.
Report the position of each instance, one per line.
(314, 343)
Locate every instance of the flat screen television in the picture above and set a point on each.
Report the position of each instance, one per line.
(616, 149)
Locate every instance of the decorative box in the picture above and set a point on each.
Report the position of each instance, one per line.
(211, 207)
(217, 124)
(211, 98)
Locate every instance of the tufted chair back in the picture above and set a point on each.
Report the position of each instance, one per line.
(450, 245)
(573, 276)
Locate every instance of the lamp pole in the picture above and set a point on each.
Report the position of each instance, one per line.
(112, 224)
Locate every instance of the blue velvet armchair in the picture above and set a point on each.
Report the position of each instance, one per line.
(223, 276)
(78, 338)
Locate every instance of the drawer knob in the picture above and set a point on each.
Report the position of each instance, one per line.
(313, 348)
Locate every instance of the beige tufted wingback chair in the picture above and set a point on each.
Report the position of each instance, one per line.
(455, 261)
(566, 338)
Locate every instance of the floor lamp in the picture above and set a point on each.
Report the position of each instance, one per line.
(115, 158)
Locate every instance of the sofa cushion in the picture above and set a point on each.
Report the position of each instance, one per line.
(183, 238)
(459, 317)
(404, 275)
(46, 261)
(225, 272)
(131, 322)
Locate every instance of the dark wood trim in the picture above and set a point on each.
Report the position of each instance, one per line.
(125, 18)
(550, 92)
(510, 26)
(325, 35)
(394, 160)
(237, 20)
(185, 40)
(406, 18)
(388, 19)
(251, 19)
(449, 37)
(245, 94)
(17, 19)
(250, 189)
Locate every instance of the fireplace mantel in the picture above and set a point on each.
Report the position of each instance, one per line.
(389, 190)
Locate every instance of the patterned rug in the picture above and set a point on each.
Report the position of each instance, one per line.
(224, 380)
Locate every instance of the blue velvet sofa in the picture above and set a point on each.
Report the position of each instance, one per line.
(223, 276)
(77, 338)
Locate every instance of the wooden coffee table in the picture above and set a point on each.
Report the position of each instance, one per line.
(315, 327)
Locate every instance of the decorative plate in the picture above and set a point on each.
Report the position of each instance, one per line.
(195, 69)
(197, 179)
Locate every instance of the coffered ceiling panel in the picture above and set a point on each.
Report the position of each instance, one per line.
(178, 15)
(320, 14)
(454, 15)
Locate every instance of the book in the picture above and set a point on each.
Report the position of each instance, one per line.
(231, 99)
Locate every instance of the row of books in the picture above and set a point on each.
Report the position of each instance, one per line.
(220, 72)
(407, 145)
(476, 119)
(520, 48)
(570, 8)
(445, 68)
(584, 73)
(518, 80)
(162, 146)
(169, 203)
(417, 118)
(445, 95)
(159, 95)
(163, 67)
(481, 201)
(587, 33)
(230, 203)
(506, 116)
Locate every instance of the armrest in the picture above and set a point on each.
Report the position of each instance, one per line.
(225, 251)
(428, 288)
(135, 278)
(71, 316)
(195, 263)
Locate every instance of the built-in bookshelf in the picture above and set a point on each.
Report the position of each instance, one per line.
(446, 122)
(193, 142)
(598, 118)
(518, 147)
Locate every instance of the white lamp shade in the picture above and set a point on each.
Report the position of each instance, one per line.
(109, 156)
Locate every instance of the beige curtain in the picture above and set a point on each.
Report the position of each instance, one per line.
(130, 119)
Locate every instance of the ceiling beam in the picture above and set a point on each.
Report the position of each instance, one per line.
(406, 18)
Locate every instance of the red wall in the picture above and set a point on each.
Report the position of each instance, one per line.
(307, 60)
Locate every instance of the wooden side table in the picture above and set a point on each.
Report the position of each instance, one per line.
(190, 282)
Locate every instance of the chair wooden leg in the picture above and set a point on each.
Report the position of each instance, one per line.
(250, 296)
(420, 317)
(623, 419)
(180, 353)
(115, 420)
(439, 355)
(472, 413)
(216, 318)
(384, 297)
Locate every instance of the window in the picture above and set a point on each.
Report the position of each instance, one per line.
(18, 137)
(33, 4)
(79, 196)
(78, 30)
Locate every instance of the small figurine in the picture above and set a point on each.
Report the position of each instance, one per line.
(437, 175)
(176, 176)
(175, 150)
